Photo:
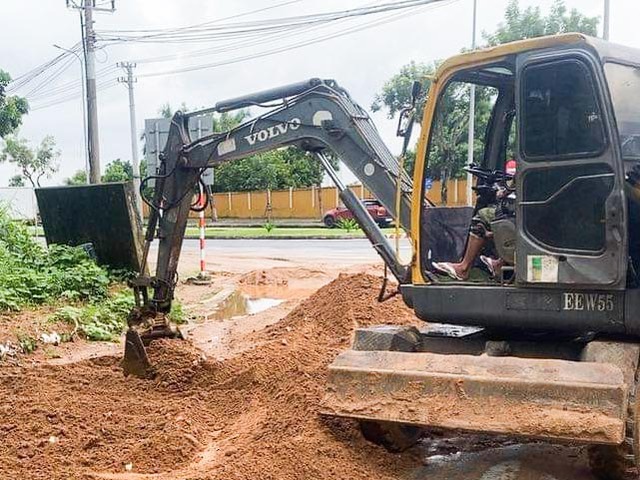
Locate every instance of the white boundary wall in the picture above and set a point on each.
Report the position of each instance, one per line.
(20, 202)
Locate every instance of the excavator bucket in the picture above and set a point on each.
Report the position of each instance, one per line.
(135, 361)
(139, 335)
(458, 386)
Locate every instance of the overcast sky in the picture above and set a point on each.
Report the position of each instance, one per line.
(361, 61)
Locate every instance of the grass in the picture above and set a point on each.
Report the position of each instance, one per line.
(278, 232)
(274, 233)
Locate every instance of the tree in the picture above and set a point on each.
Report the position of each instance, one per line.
(78, 178)
(33, 164)
(274, 170)
(16, 181)
(396, 92)
(530, 23)
(277, 169)
(118, 171)
(12, 108)
(449, 146)
(166, 111)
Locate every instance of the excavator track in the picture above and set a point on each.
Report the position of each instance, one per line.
(620, 462)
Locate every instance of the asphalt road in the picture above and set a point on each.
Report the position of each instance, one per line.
(353, 251)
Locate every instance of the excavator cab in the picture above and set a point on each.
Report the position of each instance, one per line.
(548, 348)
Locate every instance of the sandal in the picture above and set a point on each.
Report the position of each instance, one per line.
(488, 262)
(447, 269)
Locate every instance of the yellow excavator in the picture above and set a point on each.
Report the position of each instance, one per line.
(543, 344)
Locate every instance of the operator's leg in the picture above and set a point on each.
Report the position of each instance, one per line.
(478, 232)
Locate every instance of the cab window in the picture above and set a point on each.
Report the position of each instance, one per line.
(560, 112)
(624, 85)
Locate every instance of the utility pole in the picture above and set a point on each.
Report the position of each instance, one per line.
(87, 8)
(472, 111)
(605, 28)
(129, 80)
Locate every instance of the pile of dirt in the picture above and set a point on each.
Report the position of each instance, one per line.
(252, 416)
(263, 277)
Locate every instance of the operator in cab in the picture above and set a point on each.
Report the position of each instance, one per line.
(480, 230)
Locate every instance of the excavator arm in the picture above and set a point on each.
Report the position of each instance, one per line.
(316, 116)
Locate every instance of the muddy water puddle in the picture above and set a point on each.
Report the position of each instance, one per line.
(238, 304)
(510, 461)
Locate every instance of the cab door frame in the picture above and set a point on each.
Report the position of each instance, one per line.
(542, 264)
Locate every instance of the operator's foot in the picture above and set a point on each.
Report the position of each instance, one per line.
(493, 265)
(454, 270)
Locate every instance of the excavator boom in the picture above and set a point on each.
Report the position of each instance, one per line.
(316, 116)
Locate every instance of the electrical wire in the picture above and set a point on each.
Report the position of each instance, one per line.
(197, 33)
(73, 96)
(233, 46)
(293, 46)
(218, 20)
(30, 75)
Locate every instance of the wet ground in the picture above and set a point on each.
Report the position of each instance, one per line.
(511, 461)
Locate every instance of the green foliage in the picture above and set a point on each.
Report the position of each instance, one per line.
(520, 24)
(348, 224)
(118, 171)
(396, 92)
(16, 181)
(228, 120)
(103, 321)
(27, 343)
(177, 314)
(78, 178)
(12, 108)
(274, 170)
(268, 226)
(33, 164)
(106, 320)
(32, 274)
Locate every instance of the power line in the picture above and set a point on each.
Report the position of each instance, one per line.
(235, 45)
(72, 85)
(197, 33)
(66, 92)
(30, 75)
(101, 86)
(218, 20)
(295, 46)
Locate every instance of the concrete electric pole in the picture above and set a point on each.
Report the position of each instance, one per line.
(129, 80)
(87, 7)
(472, 111)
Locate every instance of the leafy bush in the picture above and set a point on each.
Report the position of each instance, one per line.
(98, 321)
(105, 321)
(268, 226)
(348, 224)
(33, 274)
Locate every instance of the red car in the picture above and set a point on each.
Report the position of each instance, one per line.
(374, 207)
